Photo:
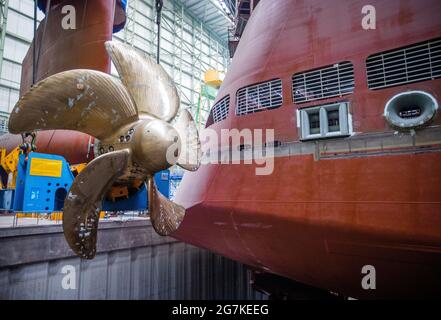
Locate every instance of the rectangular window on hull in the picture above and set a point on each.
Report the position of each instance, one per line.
(325, 121)
(415, 63)
(259, 97)
(331, 81)
(314, 121)
(333, 120)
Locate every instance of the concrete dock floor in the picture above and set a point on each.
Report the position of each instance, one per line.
(132, 262)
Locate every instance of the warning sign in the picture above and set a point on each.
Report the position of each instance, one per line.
(46, 167)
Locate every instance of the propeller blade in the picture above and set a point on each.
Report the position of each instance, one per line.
(165, 215)
(152, 89)
(190, 153)
(83, 203)
(89, 101)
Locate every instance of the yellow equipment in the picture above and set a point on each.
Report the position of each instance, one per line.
(213, 78)
(77, 168)
(9, 163)
(54, 216)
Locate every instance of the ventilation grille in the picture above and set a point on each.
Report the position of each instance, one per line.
(260, 97)
(220, 109)
(332, 81)
(406, 65)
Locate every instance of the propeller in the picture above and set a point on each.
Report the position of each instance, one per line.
(139, 132)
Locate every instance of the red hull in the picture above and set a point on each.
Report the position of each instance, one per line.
(298, 225)
(80, 48)
(319, 220)
(61, 50)
(75, 147)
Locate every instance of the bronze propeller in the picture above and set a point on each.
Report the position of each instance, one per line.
(132, 119)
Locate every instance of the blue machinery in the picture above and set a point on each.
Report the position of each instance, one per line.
(43, 181)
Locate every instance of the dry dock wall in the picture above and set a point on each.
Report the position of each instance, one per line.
(132, 263)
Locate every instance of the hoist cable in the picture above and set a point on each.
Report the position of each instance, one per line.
(159, 5)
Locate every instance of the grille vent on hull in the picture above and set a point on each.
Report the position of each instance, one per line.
(415, 63)
(259, 97)
(331, 81)
(220, 109)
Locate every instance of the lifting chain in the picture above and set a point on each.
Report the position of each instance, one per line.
(158, 6)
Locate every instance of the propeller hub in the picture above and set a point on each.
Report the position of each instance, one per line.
(156, 145)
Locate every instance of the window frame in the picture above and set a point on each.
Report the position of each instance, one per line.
(344, 121)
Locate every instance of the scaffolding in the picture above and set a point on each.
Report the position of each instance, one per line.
(191, 44)
(188, 47)
(242, 11)
(132, 10)
(4, 5)
(207, 95)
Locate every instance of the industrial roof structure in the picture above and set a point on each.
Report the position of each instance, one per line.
(194, 40)
(217, 15)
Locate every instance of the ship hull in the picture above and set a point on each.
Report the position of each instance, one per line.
(325, 220)
(332, 208)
